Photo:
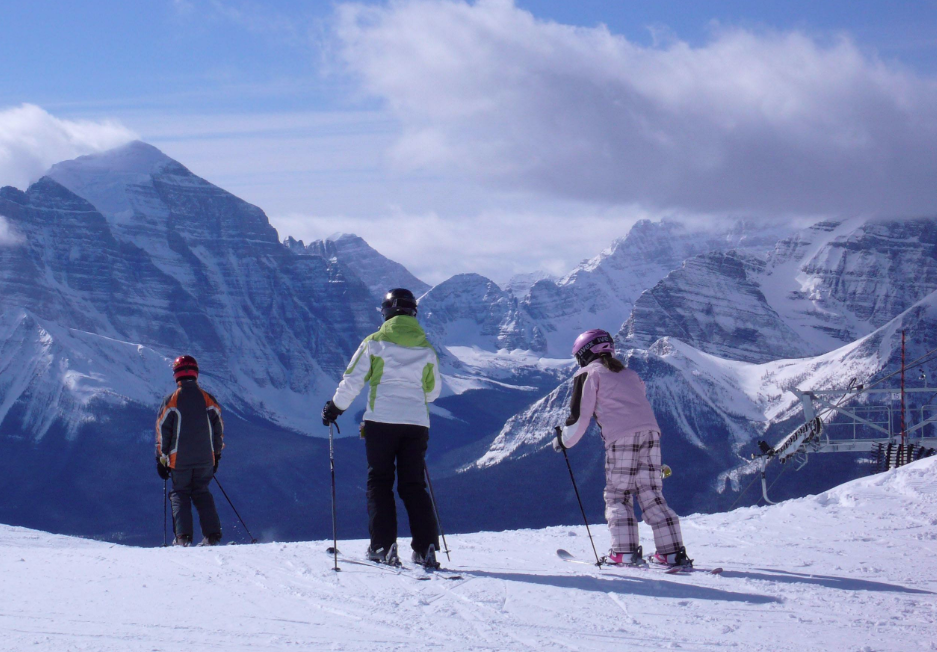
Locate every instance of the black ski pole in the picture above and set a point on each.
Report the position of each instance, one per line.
(334, 518)
(581, 509)
(165, 501)
(432, 498)
(253, 540)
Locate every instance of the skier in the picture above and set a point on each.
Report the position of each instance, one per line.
(604, 388)
(189, 441)
(402, 370)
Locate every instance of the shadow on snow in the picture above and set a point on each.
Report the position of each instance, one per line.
(829, 581)
(655, 588)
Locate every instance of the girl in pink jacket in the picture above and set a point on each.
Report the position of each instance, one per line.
(603, 388)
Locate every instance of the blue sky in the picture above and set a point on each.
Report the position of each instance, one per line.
(331, 120)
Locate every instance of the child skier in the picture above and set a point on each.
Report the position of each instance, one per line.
(615, 396)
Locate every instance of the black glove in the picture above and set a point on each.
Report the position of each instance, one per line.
(163, 470)
(558, 442)
(330, 413)
(217, 459)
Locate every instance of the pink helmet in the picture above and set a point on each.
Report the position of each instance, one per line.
(591, 344)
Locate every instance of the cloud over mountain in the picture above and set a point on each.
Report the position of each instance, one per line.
(31, 140)
(8, 235)
(761, 122)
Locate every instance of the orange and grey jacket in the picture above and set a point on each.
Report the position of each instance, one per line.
(189, 429)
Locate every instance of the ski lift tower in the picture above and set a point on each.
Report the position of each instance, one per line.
(890, 424)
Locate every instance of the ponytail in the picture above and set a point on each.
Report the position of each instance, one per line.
(611, 363)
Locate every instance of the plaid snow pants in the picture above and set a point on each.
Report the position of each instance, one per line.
(632, 466)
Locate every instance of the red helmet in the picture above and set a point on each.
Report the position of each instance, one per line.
(185, 366)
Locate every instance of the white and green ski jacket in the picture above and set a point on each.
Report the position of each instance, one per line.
(402, 370)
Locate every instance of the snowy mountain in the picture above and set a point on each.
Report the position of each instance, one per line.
(379, 273)
(713, 303)
(122, 260)
(177, 264)
(520, 284)
(601, 292)
(471, 310)
(712, 410)
(825, 573)
(825, 286)
(838, 281)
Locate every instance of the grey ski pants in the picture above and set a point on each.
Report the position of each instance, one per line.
(632, 468)
(191, 486)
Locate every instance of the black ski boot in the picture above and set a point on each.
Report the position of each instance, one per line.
(184, 540)
(427, 561)
(382, 556)
(211, 540)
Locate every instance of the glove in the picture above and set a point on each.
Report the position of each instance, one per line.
(217, 459)
(330, 413)
(163, 470)
(558, 441)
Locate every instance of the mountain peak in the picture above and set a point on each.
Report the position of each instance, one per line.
(104, 178)
(378, 272)
(136, 157)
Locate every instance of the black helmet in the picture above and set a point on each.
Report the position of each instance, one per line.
(398, 302)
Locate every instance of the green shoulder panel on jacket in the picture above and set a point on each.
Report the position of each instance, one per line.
(402, 330)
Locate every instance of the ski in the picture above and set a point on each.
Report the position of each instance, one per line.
(397, 569)
(443, 573)
(689, 570)
(676, 570)
(567, 556)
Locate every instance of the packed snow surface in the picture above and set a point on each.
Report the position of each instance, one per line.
(851, 569)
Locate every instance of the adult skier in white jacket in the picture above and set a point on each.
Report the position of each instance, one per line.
(401, 370)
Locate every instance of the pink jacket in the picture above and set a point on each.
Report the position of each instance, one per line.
(616, 400)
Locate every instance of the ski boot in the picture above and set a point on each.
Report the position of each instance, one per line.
(671, 560)
(427, 561)
(382, 556)
(211, 540)
(634, 559)
(184, 540)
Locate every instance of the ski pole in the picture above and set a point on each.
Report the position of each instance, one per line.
(432, 498)
(581, 509)
(165, 501)
(253, 540)
(334, 517)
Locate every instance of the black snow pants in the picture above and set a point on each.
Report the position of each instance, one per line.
(387, 443)
(191, 486)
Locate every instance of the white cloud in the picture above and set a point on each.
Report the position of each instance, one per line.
(749, 122)
(31, 140)
(8, 235)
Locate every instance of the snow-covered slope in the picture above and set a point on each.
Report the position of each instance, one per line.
(850, 569)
